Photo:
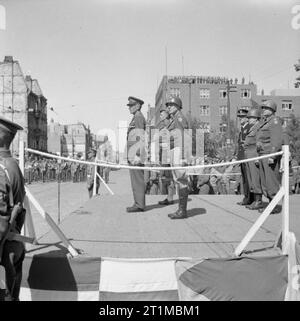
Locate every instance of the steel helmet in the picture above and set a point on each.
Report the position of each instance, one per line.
(269, 104)
(254, 113)
(174, 101)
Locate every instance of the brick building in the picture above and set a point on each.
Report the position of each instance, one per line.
(205, 98)
(287, 100)
(22, 101)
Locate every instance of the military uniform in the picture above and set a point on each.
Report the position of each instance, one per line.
(166, 177)
(269, 140)
(176, 128)
(135, 155)
(12, 192)
(252, 168)
(241, 155)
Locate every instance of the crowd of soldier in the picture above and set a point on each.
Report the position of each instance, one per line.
(46, 170)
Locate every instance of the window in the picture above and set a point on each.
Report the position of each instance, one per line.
(204, 93)
(204, 110)
(223, 128)
(222, 93)
(245, 94)
(223, 110)
(175, 92)
(287, 105)
(205, 126)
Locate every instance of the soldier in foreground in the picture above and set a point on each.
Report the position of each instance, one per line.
(135, 135)
(269, 140)
(176, 128)
(242, 115)
(12, 193)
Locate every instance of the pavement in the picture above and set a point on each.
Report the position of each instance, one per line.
(101, 226)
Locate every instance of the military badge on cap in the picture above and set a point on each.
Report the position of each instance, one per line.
(133, 101)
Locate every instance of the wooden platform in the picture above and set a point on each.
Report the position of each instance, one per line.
(214, 227)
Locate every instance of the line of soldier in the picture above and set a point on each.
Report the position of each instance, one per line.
(261, 133)
(46, 170)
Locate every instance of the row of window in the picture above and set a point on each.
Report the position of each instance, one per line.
(204, 110)
(205, 93)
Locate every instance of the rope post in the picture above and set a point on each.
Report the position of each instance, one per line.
(95, 179)
(285, 203)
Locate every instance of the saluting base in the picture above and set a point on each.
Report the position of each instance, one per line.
(141, 248)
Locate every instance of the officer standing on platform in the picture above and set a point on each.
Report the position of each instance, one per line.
(252, 168)
(176, 128)
(136, 136)
(242, 115)
(269, 140)
(12, 193)
(91, 173)
(164, 159)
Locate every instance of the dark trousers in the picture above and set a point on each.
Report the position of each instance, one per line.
(269, 177)
(246, 188)
(138, 187)
(253, 176)
(90, 190)
(12, 260)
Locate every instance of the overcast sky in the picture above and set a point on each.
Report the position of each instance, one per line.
(93, 54)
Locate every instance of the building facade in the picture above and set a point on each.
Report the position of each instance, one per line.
(22, 101)
(76, 140)
(55, 132)
(206, 98)
(287, 100)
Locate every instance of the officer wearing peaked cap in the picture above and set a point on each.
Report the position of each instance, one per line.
(136, 153)
(12, 193)
(269, 140)
(242, 115)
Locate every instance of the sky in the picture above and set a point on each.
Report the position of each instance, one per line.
(90, 55)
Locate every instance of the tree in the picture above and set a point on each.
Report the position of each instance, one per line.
(297, 69)
(293, 131)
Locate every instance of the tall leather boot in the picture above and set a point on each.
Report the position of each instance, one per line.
(276, 210)
(183, 198)
(257, 204)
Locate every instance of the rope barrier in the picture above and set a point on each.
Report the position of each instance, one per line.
(152, 167)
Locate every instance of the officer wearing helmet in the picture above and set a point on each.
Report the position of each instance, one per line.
(252, 168)
(242, 116)
(269, 140)
(176, 128)
(136, 153)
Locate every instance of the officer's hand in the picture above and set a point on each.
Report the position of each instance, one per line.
(270, 161)
(137, 160)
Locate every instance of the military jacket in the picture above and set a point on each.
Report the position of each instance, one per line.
(15, 183)
(250, 141)
(133, 136)
(269, 136)
(241, 139)
(176, 127)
